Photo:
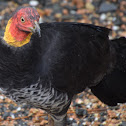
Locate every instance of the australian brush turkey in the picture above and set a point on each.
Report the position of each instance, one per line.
(46, 65)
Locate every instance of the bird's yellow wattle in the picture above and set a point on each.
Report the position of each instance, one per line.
(11, 40)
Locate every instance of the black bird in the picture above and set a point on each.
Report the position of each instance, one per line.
(46, 65)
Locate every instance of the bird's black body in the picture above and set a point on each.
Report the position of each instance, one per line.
(67, 58)
(75, 56)
(112, 89)
(72, 56)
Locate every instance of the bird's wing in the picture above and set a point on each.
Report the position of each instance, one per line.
(112, 89)
(74, 55)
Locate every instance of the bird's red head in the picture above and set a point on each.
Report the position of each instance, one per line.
(21, 26)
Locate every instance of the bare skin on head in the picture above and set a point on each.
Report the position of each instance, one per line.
(21, 26)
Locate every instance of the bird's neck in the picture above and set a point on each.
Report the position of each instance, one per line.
(14, 36)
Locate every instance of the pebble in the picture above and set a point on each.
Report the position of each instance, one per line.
(5, 115)
(90, 6)
(102, 17)
(73, 12)
(74, 124)
(91, 118)
(2, 97)
(33, 3)
(70, 121)
(65, 11)
(19, 109)
(107, 7)
(89, 105)
(115, 28)
(103, 113)
(1, 17)
(117, 21)
(81, 112)
(79, 101)
(12, 107)
(12, 115)
(102, 119)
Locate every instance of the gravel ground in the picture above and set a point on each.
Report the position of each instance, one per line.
(86, 109)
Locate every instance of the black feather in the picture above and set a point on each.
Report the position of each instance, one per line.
(112, 89)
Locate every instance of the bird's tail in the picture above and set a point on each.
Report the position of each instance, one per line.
(120, 48)
(112, 89)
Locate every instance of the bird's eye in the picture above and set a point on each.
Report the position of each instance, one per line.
(22, 20)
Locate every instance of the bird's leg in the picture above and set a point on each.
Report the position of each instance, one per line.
(57, 123)
(50, 121)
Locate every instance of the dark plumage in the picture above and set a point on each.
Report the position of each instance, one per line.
(49, 70)
(112, 89)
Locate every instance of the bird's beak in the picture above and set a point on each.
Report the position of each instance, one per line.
(36, 28)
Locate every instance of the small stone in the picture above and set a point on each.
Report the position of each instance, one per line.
(107, 7)
(89, 105)
(95, 105)
(26, 106)
(70, 121)
(65, 11)
(79, 101)
(112, 114)
(12, 115)
(58, 15)
(115, 28)
(114, 121)
(85, 112)
(81, 95)
(6, 114)
(78, 3)
(91, 118)
(103, 113)
(123, 26)
(104, 123)
(80, 11)
(86, 101)
(86, 123)
(102, 119)
(72, 12)
(1, 17)
(33, 3)
(2, 97)
(124, 19)
(48, 12)
(75, 104)
(12, 107)
(103, 17)
(19, 109)
(21, 123)
(81, 112)
(96, 118)
(89, 6)
(74, 124)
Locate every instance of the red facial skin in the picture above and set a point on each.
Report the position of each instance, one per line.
(20, 29)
